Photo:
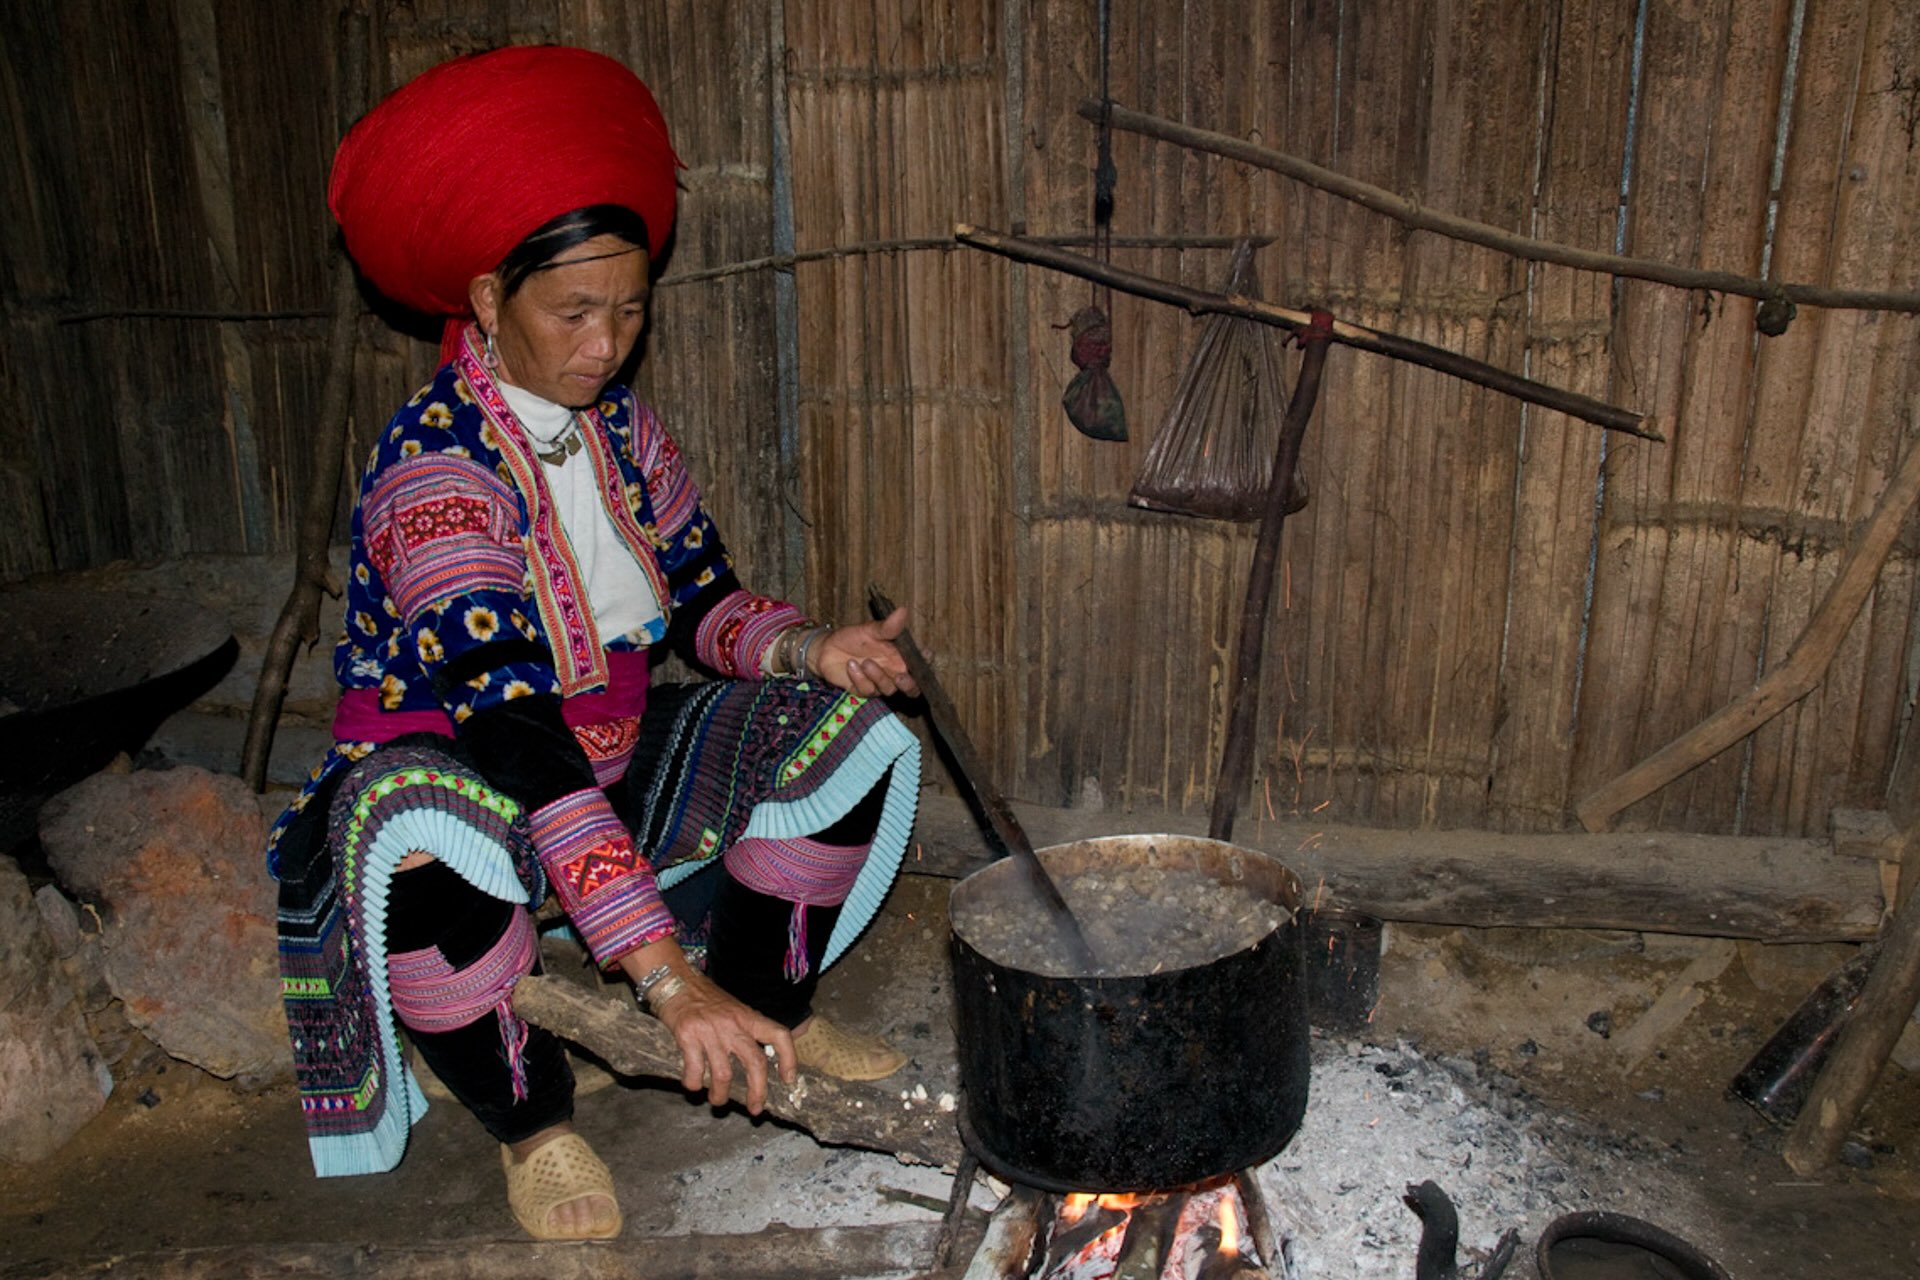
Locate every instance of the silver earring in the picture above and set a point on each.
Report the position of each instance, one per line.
(489, 359)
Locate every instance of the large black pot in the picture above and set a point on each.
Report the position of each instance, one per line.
(1131, 1083)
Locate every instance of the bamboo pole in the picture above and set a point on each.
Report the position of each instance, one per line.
(1413, 214)
(1601, 414)
(1786, 684)
(299, 619)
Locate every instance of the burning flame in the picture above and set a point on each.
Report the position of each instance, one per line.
(1217, 1247)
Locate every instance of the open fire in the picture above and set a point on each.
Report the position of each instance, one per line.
(1217, 1230)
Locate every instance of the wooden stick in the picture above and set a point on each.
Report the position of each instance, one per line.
(1786, 684)
(867, 1115)
(1413, 214)
(1598, 412)
(299, 619)
(942, 244)
(1243, 689)
(1885, 1005)
(1002, 825)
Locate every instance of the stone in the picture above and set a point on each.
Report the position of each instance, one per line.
(52, 1079)
(60, 918)
(172, 861)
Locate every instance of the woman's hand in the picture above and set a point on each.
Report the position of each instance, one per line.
(862, 658)
(714, 1030)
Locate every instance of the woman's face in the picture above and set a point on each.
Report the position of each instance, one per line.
(571, 324)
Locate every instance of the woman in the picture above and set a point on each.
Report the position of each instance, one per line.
(525, 539)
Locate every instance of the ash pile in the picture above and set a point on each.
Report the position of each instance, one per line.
(1382, 1118)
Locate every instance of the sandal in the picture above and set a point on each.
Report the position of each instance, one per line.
(845, 1055)
(564, 1169)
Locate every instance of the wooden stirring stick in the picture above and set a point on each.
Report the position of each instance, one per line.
(1004, 830)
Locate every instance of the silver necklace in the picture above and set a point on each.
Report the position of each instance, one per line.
(565, 445)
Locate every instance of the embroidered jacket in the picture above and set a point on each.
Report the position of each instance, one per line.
(466, 612)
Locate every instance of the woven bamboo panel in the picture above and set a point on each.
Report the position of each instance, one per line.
(1486, 610)
(894, 117)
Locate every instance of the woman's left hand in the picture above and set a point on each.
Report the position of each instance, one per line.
(862, 658)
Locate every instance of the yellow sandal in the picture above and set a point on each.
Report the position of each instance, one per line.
(843, 1054)
(562, 1170)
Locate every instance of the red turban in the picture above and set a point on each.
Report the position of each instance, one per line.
(440, 181)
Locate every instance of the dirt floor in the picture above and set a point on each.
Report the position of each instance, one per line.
(181, 1161)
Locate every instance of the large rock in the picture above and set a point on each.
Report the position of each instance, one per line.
(52, 1079)
(172, 859)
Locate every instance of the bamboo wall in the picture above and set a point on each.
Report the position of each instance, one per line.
(1485, 611)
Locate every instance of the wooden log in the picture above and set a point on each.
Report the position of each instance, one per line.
(868, 1115)
(1787, 683)
(1885, 1005)
(777, 1253)
(1773, 889)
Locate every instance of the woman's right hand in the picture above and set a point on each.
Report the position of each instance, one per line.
(713, 1031)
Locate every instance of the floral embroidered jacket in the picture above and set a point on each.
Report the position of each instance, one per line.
(466, 614)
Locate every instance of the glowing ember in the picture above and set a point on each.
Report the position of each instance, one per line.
(1175, 1236)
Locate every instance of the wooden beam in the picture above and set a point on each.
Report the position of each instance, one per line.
(1774, 889)
(868, 1115)
(777, 1253)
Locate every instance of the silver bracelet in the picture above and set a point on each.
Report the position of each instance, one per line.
(800, 668)
(649, 980)
(656, 999)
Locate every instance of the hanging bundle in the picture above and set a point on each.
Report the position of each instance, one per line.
(1092, 401)
(1213, 455)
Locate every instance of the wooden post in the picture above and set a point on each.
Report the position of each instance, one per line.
(1884, 1007)
(1243, 687)
(299, 619)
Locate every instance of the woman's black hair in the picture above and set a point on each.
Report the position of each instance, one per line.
(568, 231)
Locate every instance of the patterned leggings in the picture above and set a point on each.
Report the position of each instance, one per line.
(747, 943)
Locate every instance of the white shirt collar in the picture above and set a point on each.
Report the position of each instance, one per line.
(543, 420)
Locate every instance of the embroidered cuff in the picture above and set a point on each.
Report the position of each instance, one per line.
(604, 885)
(734, 637)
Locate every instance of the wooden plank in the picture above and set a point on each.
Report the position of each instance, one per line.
(1629, 694)
(1776, 888)
(1867, 390)
(1586, 95)
(1799, 433)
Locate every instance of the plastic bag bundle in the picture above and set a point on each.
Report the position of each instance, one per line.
(1214, 452)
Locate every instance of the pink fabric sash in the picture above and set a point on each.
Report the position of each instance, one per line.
(431, 995)
(360, 718)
